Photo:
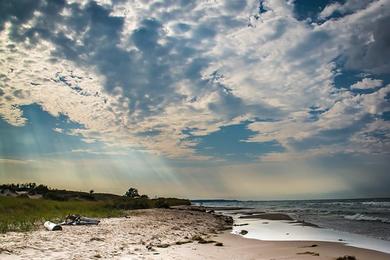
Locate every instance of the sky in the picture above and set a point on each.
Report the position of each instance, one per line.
(243, 99)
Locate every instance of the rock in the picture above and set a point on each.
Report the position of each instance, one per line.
(162, 245)
(205, 241)
(150, 248)
(96, 239)
(196, 238)
(5, 250)
(309, 253)
(240, 225)
(346, 257)
(243, 232)
(183, 242)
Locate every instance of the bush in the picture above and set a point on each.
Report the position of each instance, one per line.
(55, 196)
(40, 189)
(161, 203)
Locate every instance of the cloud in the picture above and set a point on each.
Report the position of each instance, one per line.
(138, 75)
(367, 83)
(348, 7)
(367, 43)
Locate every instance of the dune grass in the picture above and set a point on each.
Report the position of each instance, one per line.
(24, 214)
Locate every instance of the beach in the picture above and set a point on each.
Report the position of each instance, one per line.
(181, 233)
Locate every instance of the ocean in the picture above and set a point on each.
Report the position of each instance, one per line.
(362, 222)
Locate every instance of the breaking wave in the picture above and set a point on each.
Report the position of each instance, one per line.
(361, 217)
(377, 203)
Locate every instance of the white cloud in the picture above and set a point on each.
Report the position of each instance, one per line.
(367, 83)
(278, 70)
(348, 7)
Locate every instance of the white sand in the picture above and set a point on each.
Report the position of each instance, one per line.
(135, 237)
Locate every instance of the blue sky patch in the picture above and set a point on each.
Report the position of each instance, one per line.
(37, 136)
(305, 9)
(230, 143)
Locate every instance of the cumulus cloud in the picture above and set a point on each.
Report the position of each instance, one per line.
(367, 41)
(367, 83)
(140, 74)
(349, 6)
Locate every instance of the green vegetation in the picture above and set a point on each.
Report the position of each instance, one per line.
(21, 213)
(132, 193)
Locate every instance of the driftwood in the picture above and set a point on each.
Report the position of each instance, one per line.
(79, 220)
(52, 226)
(71, 220)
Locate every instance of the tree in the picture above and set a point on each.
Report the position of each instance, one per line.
(41, 189)
(132, 193)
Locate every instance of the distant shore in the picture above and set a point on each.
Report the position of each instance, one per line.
(180, 233)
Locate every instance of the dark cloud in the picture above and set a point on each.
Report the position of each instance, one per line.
(17, 12)
(204, 31)
(308, 45)
(182, 27)
(237, 5)
(342, 136)
(359, 172)
(371, 55)
(146, 36)
(231, 106)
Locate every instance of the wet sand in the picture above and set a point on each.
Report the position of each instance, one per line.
(237, 247)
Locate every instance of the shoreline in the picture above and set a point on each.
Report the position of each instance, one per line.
(178, 233)
(238, 247)
(276, 226)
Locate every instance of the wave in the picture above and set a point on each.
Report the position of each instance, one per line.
(377, 203)
(361, 217)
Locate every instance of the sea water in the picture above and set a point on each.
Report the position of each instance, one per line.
(359, 222)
